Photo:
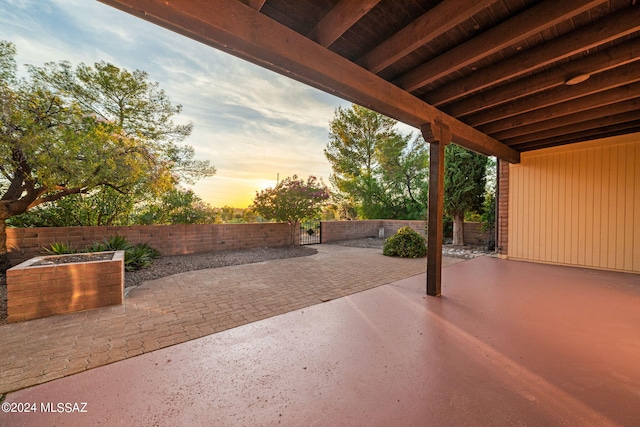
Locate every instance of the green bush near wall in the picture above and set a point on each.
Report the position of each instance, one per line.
(406, 243)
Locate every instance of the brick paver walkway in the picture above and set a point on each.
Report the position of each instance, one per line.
(186, 306)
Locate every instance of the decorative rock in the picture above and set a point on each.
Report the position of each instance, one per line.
(464, 252)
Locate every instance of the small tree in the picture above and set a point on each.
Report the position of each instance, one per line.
(290, 201)
(464, 186)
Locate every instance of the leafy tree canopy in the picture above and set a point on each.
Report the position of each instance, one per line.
(464, 186)
(66, 130)
(380, 171)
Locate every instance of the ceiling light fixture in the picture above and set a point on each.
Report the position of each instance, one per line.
(576, 79)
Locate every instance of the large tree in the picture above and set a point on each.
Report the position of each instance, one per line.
(355, 135)
(66, 130)
(290, 201)
(464, 186)
(377, 168)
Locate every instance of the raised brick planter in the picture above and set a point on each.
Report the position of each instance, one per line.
(35, 291)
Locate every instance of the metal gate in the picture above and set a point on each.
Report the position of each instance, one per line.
(310, 232)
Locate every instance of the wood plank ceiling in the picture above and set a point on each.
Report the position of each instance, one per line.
(498, 72)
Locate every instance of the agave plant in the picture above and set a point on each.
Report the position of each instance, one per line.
(139, 256)
(112, 243)
(60, 248)
(96, 247)
(116, 243)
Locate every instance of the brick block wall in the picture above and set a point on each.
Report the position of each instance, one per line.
(391, 227)
(45, 290)
(26, 243)
(334, 231)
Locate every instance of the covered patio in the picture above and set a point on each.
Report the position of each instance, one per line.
(505, 78)
(509, 343)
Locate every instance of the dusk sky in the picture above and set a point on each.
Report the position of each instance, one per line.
(250, 123)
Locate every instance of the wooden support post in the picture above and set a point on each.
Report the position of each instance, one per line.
(442, 136)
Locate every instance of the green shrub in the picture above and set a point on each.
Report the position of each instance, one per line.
(406, 243)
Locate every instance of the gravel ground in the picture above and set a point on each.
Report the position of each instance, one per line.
(166, 266)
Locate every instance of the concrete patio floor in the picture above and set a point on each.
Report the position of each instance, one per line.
(182, 307)
(509, 343)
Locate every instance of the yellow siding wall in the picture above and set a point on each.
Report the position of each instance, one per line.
(578, 205)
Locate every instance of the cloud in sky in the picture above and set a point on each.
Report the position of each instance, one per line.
(250, 123)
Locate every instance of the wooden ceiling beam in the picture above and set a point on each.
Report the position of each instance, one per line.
(585, 125)
(611, 28)
(615, 130)
(601, 99)
(233, 27)
(339, 19)
(570, 119)
(255, 4)
(526, 24)
(598, 62)
(620, 76)
(432, 24)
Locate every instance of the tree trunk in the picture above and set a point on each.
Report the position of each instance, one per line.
(458, 229)
(4, 255)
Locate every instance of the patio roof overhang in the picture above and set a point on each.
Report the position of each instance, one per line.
(499, 77)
